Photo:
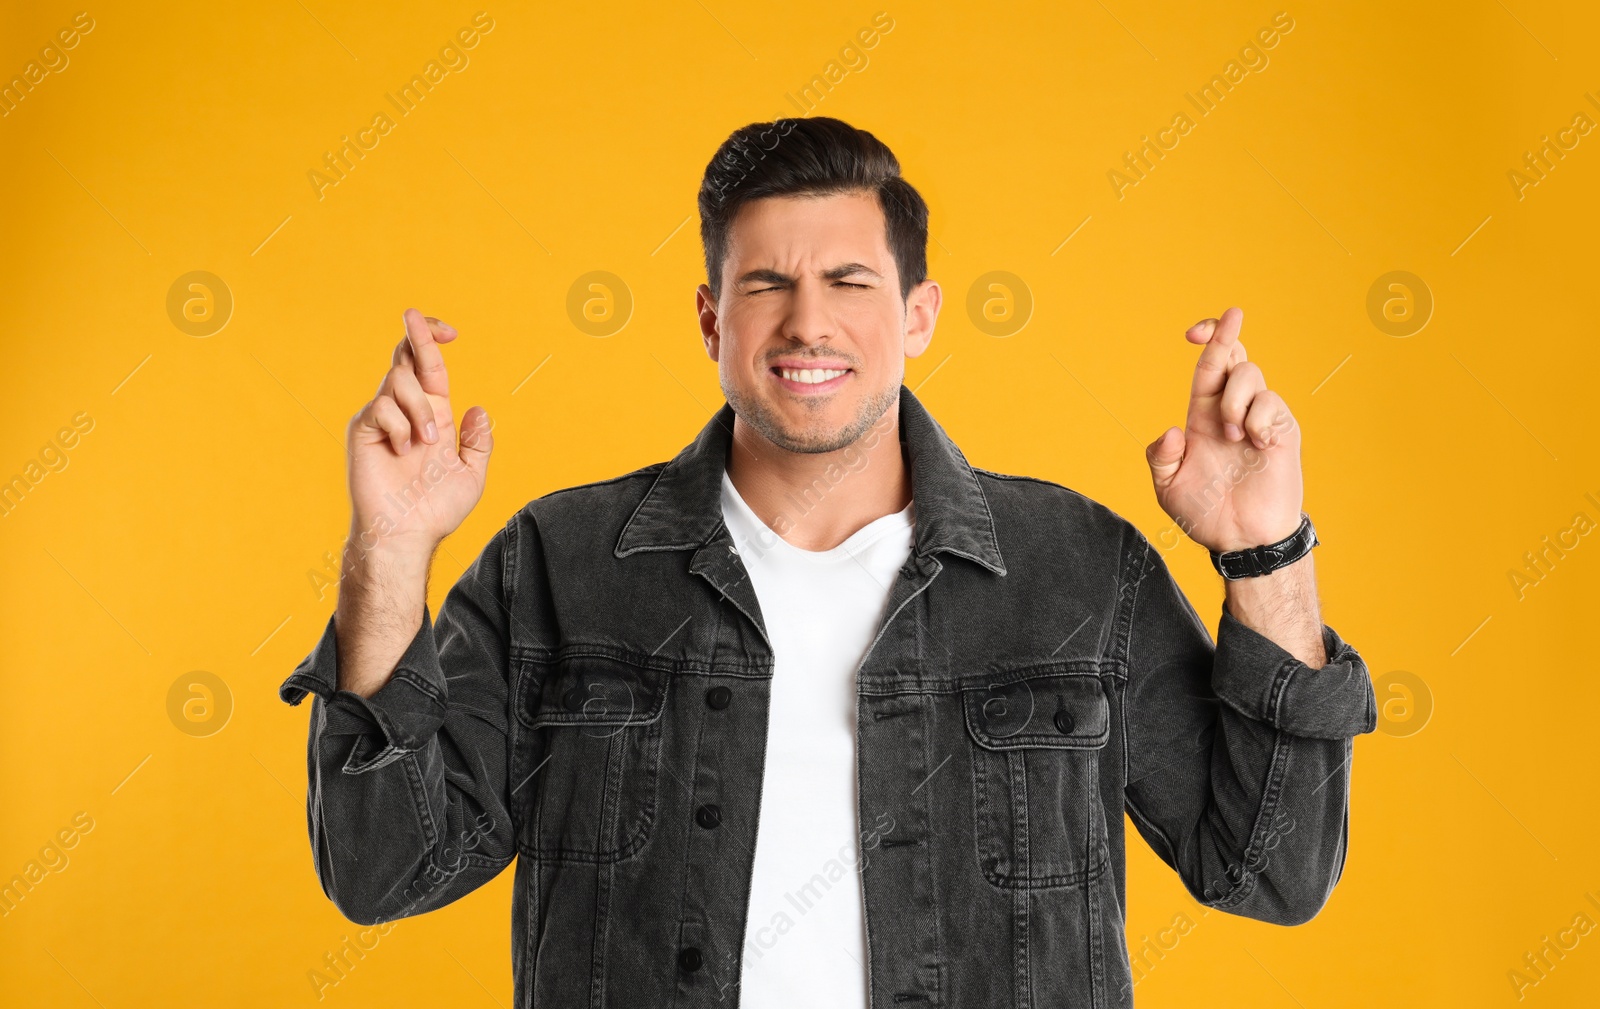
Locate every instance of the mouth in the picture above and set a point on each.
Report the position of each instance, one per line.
(811, 381)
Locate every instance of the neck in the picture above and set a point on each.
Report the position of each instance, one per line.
(816, 501)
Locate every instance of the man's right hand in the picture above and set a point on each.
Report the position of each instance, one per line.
(411, 485)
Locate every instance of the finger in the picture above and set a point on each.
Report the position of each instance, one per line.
(1200, 332)
(383, 415)
(1269, 421)
(1164, 455)
(1211, 370)
(428, 361)
(1245, 383)
(443, 332)
(477, 439)
(402, 384)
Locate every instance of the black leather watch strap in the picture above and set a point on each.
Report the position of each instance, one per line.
(1256, 561)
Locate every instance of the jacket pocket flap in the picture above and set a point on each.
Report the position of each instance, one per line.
(592, 688)
(1062, 711)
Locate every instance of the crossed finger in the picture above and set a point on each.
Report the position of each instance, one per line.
(1222, 352)
(430, 331)
(416, 371)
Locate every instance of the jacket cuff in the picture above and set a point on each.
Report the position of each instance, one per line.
(397, 720)
(1261, 680)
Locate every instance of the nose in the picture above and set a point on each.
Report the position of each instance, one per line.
(809, 321)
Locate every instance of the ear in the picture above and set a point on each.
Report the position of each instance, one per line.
(705, 306)
(922, 311)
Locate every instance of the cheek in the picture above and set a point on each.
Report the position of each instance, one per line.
(738, 357)
(876, 335)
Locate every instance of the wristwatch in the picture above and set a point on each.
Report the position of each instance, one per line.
(1236, 564)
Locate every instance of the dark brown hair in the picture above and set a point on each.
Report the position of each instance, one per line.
(817, 156)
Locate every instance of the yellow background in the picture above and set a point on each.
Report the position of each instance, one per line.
(183, 534)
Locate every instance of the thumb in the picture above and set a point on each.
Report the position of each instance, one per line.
(477, 440)
(1164, 456)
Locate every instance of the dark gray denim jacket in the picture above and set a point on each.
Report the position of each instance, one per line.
(592, 703)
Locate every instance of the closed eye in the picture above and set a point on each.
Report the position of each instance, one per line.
(840, 283)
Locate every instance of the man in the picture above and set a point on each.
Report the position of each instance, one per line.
(816, 713)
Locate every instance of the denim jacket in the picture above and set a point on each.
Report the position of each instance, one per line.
(592, 704)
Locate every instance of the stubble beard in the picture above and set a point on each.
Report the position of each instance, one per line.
(770, 426)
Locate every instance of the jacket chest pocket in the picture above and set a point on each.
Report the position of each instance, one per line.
(1036, 747)
(590, 773)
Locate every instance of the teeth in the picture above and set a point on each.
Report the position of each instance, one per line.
(810, 376)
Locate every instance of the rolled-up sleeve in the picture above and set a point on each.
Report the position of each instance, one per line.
(1258, 678)
(397, 720)
(1239, 754)
(406, 798)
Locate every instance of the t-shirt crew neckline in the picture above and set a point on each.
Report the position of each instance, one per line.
(858, 541)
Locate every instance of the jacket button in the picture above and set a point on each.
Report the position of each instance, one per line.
(572, 700)
(689, 959)
(718, 697)
(708, 816)
(1063, 721)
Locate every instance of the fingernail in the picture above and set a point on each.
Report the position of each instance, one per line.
(1232, 431)
(431, 433)
(405, 446)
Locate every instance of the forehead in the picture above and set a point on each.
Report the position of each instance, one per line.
(796, 228)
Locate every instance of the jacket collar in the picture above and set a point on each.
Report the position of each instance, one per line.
(683, 508)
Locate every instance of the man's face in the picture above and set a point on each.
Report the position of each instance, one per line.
(810, 335)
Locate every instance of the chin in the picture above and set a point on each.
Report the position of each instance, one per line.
(812, 426)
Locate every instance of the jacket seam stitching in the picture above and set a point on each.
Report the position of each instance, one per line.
(1262, 829)
(419, 801)
(1122, 641)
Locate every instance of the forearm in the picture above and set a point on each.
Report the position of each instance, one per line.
(407, 797)
(382, 594)
(1283, 607)
(1238, 751)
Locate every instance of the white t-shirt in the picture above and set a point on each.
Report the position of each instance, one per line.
(805, 941)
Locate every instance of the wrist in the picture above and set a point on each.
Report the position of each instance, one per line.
(1283, 607)
(1259, 560)
(1258, 535)
(397, 556)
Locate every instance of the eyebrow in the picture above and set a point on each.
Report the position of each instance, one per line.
(839, 272)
